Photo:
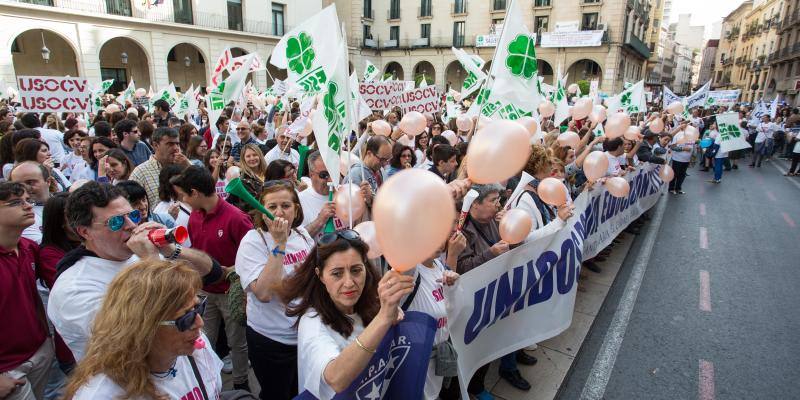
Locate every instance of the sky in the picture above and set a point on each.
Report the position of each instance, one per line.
(704, 12)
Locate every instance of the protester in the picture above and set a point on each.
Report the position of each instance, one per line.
(253, 171)
(345, 309)
(764, 133)
(98, 147)
(74, 160)
(114, 166)
(681, 156)
(157, 355)
(315, 201)
(196, 150)
(167, 152)
(283, 149)
(445, 161)
(647, 151)
(793, 169)
(161, 114)
(402, 158)
(170, 201)
(37, 182)
(27, 351)
(129, 138)
(267, 255)
(54, 138)
(111, 240)
(714, 152)
(137, 197)
(377, 155)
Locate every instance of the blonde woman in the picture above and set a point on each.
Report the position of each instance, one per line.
(146, 339)
(253, 171)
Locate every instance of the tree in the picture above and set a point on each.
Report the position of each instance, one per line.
(584, 86)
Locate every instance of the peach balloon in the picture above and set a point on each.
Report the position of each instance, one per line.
(232, 173)
(413, 123)
(515, 226)
(141, 92)
(676, 107)
(657, 125)
(552, 191)
(405, 140)
(464, 123)
(582, 108)
(413, 214)
(666, 173)
(381, 127)
(546, 109)
(569, 139)
(530, 124)
(691, 134)
(618, 186)
(498, 151)
(680, 138)
(595, 165)
(632, 133)
(367, 232)
(572, 88)
(344, 195)
(112, 108)
(617, 124)
(598, 114)
(482, 122)
(450, 136)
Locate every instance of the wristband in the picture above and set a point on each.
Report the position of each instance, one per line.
(175, 254)
(277, 251)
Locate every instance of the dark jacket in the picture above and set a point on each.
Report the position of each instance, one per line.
(645, 154)
(480, 238)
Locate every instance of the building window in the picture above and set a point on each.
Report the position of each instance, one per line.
(460, 6)
(541, 3)
(499, 5)
(235, 15)
(394, 9)
(119, 7)
(183, 11)
(425, 31)
(425, 8)
(38, 2)
(278, 26)
(589, 22)
(368, 9)
(458, 34)
(394, 34)
(591, 1)
(541, 24)
(367, 32)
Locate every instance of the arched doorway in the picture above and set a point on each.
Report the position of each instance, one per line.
(395, 70)
(454, 76)
(274, 73)
(44, 53)
(186, 66)
(584, 70)
(545, 70)
(122, 59)
(424, 69)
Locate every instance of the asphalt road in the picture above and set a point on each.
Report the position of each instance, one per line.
(742, 237)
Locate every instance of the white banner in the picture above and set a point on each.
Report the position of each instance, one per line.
(722, 97)
(382, 95)
(527, 295)
(731, 135)
(54, 94)
(424, 100)
(487, 40)
(572, 39)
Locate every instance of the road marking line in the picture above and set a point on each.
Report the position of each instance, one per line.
(771, 196)
(703, 238)
(706, 385)
(596, 383)
(702, 209)
(705, 291)
(791, 179)
(788, 220)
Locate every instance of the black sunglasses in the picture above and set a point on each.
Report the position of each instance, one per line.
(185, 321)
(330, 237)
(324, 175)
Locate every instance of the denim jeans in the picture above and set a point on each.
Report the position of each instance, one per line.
(509, 362)
(718, 163)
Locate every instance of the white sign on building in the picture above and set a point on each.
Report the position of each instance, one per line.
(572, 39)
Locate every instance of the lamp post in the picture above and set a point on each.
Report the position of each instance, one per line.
(45, 51)
(124, 58)
(187, 62)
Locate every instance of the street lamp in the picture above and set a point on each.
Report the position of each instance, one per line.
(45, 51)
(124, 58)
(187, 61)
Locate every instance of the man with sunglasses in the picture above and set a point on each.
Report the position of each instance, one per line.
(377, 156)
(317, 209)
(27, 351)
(112, 239)
(129, 137)
(245, 138)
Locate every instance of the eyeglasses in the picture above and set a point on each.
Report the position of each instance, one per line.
(242, 128)
(116, 222)
(185, 321)
(324, 174)
(18, 203)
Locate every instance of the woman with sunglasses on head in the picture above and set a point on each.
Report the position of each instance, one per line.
(345, 310)
(253, 170)
(267, 254)
(147, 340)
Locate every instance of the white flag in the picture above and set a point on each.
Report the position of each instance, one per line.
(514, 91)
(559, 99)
(222, 64)
(308, 50)
(472, 64)
(423, 83)
(731, 136)
(331, 121)
(668, 97)
(360, 107)
(631, 100)
(128, 94)
(370, 71)
(698, 98)
(773, 108)
(232, 87)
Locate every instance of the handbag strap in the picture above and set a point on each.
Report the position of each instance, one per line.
(411, 296)
(198, 378)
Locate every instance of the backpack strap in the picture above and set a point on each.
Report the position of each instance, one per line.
(198, 378)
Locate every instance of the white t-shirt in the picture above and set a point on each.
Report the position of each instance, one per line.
(796, 148)
(276, 154)
(183, 216)
(318, 345)
(538, 229)
(420, 157)
(69, 162)
(183, 385)
(613, 165)
(718, 141)
(34, 232)
(765, 130)
(55, 140)
(81, 170)
(682, 156)
(269, 318)
(77, 296)
(312, 203)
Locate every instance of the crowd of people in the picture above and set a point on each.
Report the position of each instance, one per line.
(100, 310)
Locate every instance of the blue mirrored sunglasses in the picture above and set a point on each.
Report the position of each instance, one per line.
(116, 222)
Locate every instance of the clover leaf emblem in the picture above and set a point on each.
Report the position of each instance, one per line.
(521, 59)
(626, 98)
(300, 52)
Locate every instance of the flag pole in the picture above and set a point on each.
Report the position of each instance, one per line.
(350, 123)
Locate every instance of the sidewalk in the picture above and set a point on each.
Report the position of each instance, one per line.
(557, 354)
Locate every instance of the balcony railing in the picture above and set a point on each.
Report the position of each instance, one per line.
(415, 43)
(157, 14)
(638, 45)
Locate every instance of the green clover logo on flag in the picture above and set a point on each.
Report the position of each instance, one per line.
(470, 80)
(370, 69)
(625, 99)
(300, 52)
(710, 101)
(521, 59)
(483, 95)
